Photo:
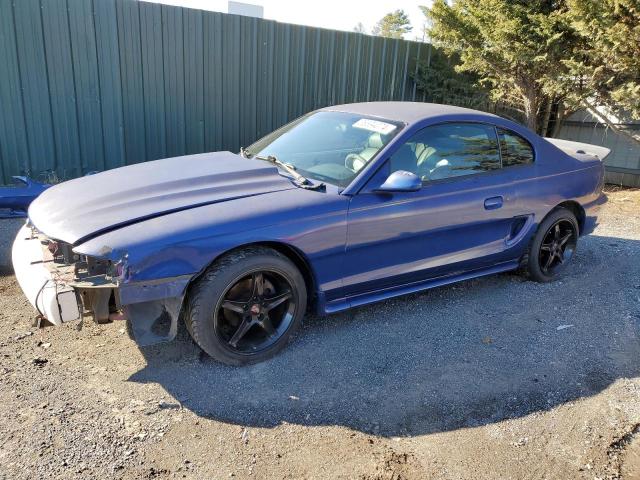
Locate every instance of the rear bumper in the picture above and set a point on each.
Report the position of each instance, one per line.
(53, 299)
(591, 211)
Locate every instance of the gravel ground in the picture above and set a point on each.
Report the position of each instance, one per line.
(491, 378)
(8, 229)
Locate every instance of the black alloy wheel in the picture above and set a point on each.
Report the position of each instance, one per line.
(553, 245)
(558, 246)
(255, 312)
(246, 305)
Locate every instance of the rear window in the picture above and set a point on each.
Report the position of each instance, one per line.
(515, 150)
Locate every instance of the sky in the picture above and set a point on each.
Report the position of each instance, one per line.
(334, 14)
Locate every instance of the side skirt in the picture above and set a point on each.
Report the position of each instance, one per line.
(379, 295)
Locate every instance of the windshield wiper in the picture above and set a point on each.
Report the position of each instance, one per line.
(301, 181)
(289, 168)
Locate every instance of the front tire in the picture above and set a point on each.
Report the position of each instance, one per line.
(246, 305)
(553, 246)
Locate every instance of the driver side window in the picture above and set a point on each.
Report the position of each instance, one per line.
(449, 150)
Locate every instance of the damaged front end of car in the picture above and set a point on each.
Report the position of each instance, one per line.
(113, 245)
(64, 286)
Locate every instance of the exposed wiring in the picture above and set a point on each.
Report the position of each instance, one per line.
(38, 296)
(58, 302)
(55, 283)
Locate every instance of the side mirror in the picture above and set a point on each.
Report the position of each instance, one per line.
(401, 181)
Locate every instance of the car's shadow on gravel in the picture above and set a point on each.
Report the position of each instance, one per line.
(458, 356)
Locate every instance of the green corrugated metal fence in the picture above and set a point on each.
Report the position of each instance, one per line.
(89, 85)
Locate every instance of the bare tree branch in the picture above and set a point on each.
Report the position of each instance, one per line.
(615, 127)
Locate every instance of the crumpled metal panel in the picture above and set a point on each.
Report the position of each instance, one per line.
(156, 321)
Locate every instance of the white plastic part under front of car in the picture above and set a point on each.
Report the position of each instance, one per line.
(54, 300)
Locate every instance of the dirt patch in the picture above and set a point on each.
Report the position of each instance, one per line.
(630, 467)
(395, 466)
(624, 455)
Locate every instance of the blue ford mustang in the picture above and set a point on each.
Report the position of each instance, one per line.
(344, 206)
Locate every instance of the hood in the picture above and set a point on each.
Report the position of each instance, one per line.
(79, 209)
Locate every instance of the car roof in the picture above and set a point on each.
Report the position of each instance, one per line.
(407, 112)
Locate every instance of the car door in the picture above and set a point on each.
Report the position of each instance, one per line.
(463, 218)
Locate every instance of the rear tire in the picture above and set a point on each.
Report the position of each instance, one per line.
(553, 246)
(246, 305)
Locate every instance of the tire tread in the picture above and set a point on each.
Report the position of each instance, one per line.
(195, 311)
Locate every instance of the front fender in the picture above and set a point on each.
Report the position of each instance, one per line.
(182, 244)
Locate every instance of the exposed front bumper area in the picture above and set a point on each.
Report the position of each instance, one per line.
(64, 287)
(54, 300)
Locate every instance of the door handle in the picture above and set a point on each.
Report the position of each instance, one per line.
(493, 202)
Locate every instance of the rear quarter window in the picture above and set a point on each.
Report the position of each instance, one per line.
(514, 149)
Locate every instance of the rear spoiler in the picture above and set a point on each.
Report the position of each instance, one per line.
(578, 148)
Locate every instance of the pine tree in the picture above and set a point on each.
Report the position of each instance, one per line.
(514, 47)
(547, 58)
(393, 25)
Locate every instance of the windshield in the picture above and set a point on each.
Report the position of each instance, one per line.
(328, 146)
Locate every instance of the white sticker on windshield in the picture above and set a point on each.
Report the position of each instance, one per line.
(374, 126)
